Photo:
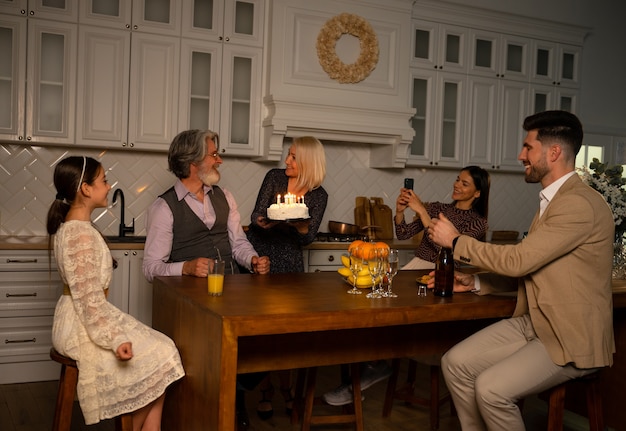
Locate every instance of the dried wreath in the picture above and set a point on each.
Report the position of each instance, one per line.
(327, 38)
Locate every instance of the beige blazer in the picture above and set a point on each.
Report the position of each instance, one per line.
(563, 274)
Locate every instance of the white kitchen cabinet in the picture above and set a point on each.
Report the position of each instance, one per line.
(545, 97)
(128, 79)
(439, 100)
(324, 260)
(129, 290)
(496, 112)
(158, 17)
(556, 64)
(37, 80)
(220, 70)
(29, 289)
(439, 46)
(58, 10)
(499, 55)
(118, 107)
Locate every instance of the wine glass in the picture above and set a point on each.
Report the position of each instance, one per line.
(356, 265)
(375, 267)
(391, 269)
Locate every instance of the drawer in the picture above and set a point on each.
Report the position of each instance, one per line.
(320, 268)
(29, 298)
(26, 260)
(24, 339)
(325, 258)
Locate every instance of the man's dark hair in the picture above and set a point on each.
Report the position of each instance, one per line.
(561, 126)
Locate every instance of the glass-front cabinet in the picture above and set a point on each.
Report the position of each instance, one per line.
(439, 102)
(37, 80)
(556, 64)
(58, 10)
(499, 56)
(221, 72)
(439, 46)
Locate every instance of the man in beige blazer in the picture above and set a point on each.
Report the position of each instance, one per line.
(562, 327)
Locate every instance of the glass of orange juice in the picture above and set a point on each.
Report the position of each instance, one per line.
(216, 277)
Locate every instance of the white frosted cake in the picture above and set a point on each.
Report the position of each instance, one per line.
(292, 208)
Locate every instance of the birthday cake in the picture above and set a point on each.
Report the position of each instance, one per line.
(291, 208)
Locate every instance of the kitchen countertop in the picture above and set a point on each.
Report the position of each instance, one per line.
(19, 242)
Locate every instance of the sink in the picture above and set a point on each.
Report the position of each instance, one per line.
(115, 239)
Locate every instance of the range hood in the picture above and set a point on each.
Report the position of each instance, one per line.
(302, 99)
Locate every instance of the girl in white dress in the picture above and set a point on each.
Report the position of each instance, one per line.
(124, 365)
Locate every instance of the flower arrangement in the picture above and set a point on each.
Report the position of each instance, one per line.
(327, 38)
(608, 181)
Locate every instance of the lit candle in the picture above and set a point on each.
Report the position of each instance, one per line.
(278, 200)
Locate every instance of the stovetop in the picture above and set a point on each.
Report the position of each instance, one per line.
(338, 237)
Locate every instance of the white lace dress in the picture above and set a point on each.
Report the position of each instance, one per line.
(88, 329)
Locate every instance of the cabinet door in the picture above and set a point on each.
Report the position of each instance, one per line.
(230, 21)
(51, 81)
(545, 97)
(439, 46)
(497, 109)
(514, 108)
(58, 10)
(449, 121)
(200, 78)
(556, 64)
(102, 96)
(423, 101)
(107, 13)
(482, 122)
(499, 56)
(139, 290)
(240, 100)
(157, 16)
(12, 78)
(14, 7)
(438, 99)
(153, 104)
(118, 288)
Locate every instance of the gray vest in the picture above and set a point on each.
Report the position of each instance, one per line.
(192, 239)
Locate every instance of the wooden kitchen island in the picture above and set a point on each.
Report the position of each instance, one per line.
(287, 321)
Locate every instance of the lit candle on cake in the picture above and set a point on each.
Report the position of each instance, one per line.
(278, 200)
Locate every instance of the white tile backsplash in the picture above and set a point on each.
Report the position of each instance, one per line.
(26, 188)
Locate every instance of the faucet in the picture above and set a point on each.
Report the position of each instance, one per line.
(123, 228)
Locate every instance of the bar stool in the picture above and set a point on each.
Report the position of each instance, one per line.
(305, 407)
(407, 392)
(65, 396)
(556, 402)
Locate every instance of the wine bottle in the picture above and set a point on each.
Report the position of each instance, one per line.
(444, 273)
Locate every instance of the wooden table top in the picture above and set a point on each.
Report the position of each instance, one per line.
(288, 303)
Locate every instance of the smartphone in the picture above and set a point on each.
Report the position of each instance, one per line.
(408, 183)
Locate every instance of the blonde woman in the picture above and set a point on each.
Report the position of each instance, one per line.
(305, 169)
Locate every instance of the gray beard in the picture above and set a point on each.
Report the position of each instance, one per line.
(210, 178)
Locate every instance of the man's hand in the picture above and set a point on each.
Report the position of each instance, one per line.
(124, 351)
(260, 265)
(442, 232)
(462, 282)
(198, 267)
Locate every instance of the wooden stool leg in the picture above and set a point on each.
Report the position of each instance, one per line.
(298, 399)
(124, 422)
(556, 407)
(594, 406)
(356, 396)
(65, 398)
(309, 398)
(391, 387)
(434, 397)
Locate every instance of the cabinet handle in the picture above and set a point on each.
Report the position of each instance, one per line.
(220, 38)
(227, 39)
(331, 258)
(31, 13)
(9, 260)
(21, 295)
(29, 138)
(32, 340)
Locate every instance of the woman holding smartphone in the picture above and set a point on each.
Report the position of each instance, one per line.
(468, 212)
